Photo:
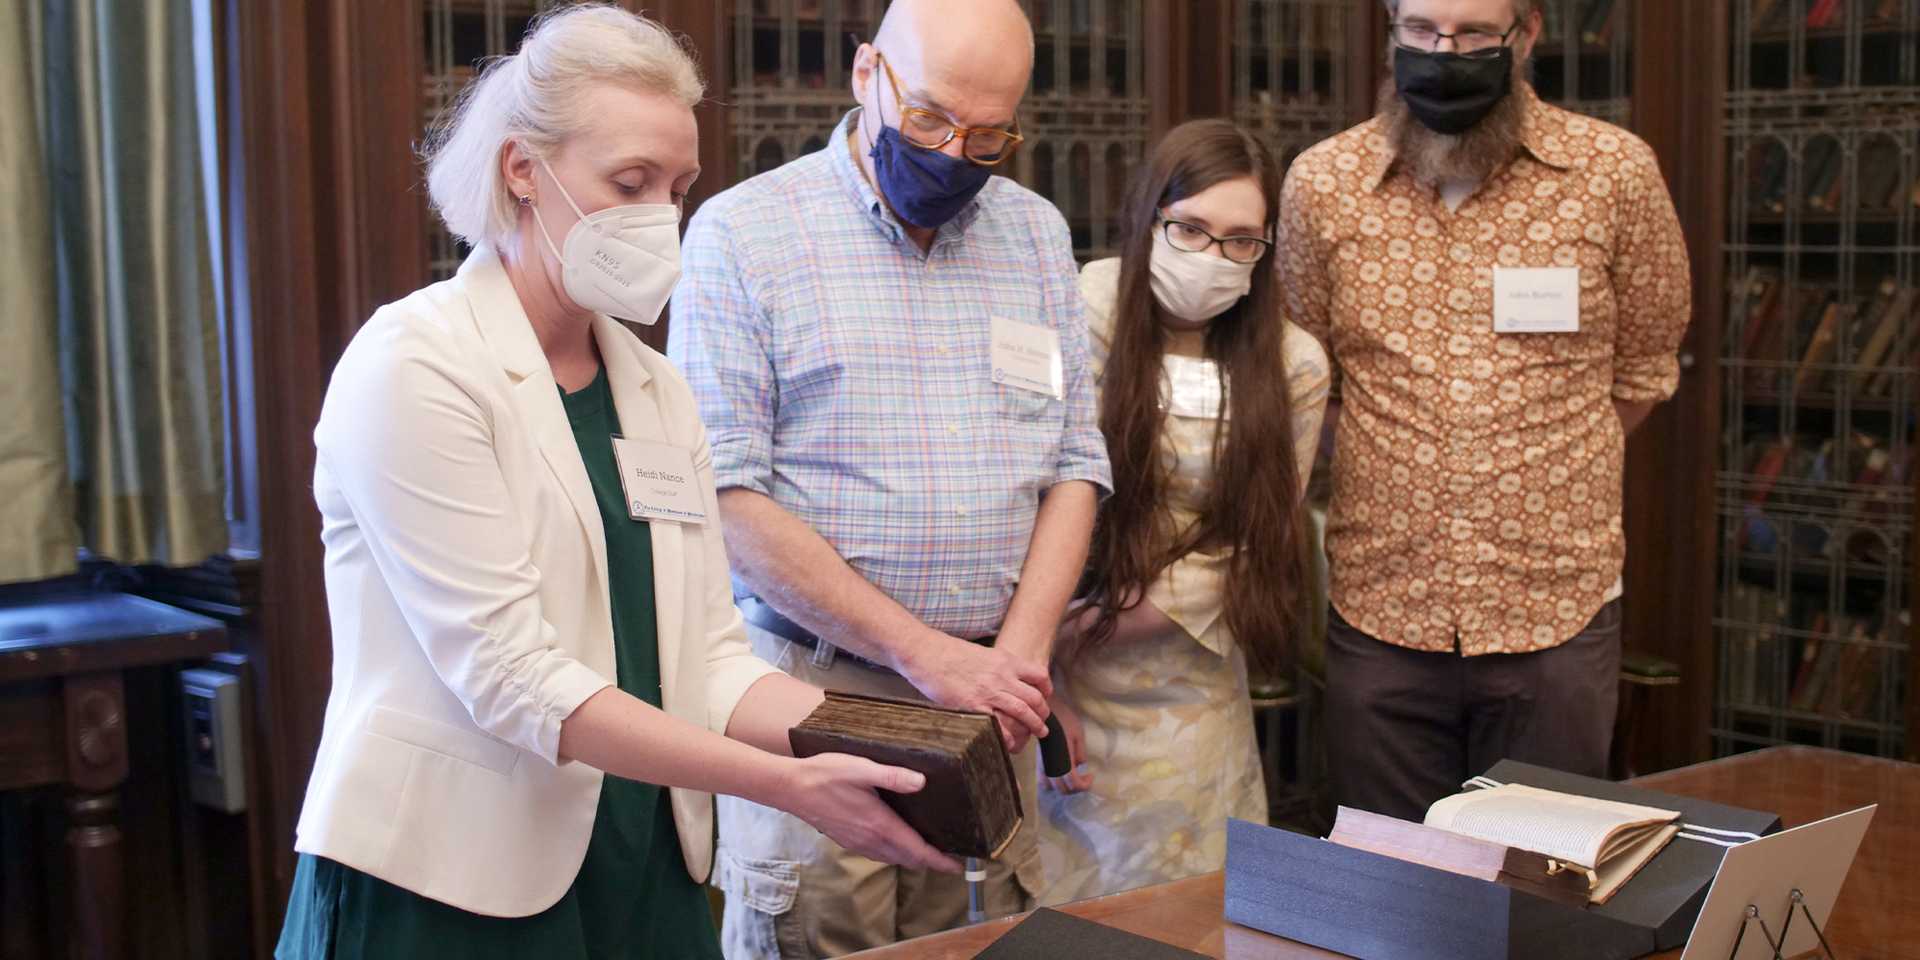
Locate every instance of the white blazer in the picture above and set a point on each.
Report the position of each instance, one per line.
(466, 576)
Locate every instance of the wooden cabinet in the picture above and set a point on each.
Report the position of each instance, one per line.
(1814, 633)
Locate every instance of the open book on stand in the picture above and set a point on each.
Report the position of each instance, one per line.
(1605, 841)
(1384, 889)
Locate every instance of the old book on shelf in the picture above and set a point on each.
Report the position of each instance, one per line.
(1820, 345)
(1761, 305)
(1824, 161)
(1605, 840)
(1767, 179)
(1823, 13)
(1596, 26)
(1459, 853)
(1854, 679)
(1885, 325)
(1880, 177)
(1800, 309)
(1768, 464)
(1899, 352)
(1809, 663)
(1770, 16)
(1810, 696)
(970, 806)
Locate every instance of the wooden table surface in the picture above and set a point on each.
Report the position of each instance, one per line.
(1877, 918)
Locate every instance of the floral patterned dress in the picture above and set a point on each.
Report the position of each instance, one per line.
(1168, 725)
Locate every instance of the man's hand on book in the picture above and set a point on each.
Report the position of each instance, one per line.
(834, 793)
(1079, 778)
(956, 673)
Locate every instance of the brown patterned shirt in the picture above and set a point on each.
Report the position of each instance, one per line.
(1477, 476)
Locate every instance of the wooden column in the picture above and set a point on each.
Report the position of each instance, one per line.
(376, 208)
(1208, 63)
(1679, 87)
(273, 47)
(1169, 39)
(1367, 60)
(705, 25)
(96, 727)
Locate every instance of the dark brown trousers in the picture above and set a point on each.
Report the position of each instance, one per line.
(1405, 727)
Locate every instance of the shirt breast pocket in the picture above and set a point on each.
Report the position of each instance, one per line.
(1025, 406)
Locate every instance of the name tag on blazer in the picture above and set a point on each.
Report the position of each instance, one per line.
(659, 481)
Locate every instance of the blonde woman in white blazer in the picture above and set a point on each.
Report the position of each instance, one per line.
(524, 734)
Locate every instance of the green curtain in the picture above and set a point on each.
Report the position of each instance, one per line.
(139, 331)
(37, 528)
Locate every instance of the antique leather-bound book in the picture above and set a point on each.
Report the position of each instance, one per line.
(970, 806)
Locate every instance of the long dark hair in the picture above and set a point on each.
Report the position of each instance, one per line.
(1252, 506)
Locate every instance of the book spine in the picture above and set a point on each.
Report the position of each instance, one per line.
(1767, 471)
(1867, 325)
(1594, 24)
(1819, 347)
(1763, 300)
(1773, 181)
(1899, 352)
(1823, 168)
(1809, 657)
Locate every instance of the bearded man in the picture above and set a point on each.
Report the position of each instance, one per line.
(1503, 288)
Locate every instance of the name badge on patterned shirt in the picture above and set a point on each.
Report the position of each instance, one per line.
(1536, 299)
(1027, 356)
(659, 481)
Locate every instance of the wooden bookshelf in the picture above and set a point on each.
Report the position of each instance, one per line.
(1822, 164)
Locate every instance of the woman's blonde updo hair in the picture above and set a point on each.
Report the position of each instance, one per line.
(535, 97)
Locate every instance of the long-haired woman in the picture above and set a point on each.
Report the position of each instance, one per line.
(1211, 405)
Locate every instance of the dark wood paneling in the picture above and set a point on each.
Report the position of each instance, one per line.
(277, 48)
(1670, 508)
(375, 59)
(1208, 60)
(1367, 60)
(704, 24)
(32, 748)
(1169, 26)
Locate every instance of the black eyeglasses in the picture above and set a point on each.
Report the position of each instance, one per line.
(1478, 44)
(1189, 238)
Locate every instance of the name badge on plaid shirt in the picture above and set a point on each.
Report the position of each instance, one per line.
(1027, 356)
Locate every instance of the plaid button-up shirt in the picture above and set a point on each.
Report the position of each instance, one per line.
(847, 375)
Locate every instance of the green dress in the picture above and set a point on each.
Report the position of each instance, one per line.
(632, 897)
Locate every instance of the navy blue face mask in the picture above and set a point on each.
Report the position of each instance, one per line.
(925, 188)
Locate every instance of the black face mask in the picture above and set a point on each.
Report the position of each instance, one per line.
(1448, 93)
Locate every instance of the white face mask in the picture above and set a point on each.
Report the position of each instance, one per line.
(622, 261)
(1196, 287)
